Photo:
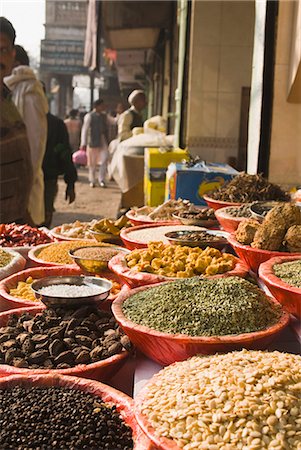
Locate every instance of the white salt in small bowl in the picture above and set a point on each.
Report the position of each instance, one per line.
(71, 290)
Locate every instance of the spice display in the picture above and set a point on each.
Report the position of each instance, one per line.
(110, 226)
(179, 261)
(59, 252)
(96, 253)
(23, 290)
(162, 212)
(71, 290)
(245, 188)
(146, 235)
(280, 230)
(76, 230)
(248, 400)
(289, 272)
(5, 258)
(194, 236)
(59, 418)
(60, 338)
(203, 307)
(198, 214)
(239, 211)
(13, 235)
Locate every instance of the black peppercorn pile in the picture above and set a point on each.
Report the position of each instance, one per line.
(59, 418)
(60, 338)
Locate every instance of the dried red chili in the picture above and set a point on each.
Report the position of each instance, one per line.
(13, 235)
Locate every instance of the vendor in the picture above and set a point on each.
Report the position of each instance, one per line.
(131, 118)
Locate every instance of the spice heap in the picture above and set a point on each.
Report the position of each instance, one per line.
(196, 236)
(163, 212)
(23, 290)
(59, 418)
(280, 230)
(97, 253)
(76, 230)
(5, 258)
(239, 211)
(289, 272)
(242, 400)
(13, 235)
(198, 214)
(203, 307)
(60, 338)
(152, 234)
(179, 261)
(59, 252)
(245, 188)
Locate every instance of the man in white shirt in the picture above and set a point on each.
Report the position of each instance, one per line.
(131, 118)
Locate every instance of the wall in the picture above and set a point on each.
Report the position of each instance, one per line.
(220, 65)
(285, 152)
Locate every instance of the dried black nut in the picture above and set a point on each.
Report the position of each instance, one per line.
(83, 357)
(48, 364)
(11, 354)
(7, 330)
(38, 357)
(84, 340)
(101, 322)
(114, 349)
(111, 332)
(70, 334)
(63, 366)
(126, 343)
(11, 343)
(5, 337)
(56, 347)
(39, 338)
(27, 346)
(20, 363)
(76, 350)
(96, 342)
(68, 342)
(30, 326)
(64, 357)
(81, 312)
(96, 353)
(56, 332)
(22, 337)
(83, 331)
(71, 324)
(92, 318)
(43, 345)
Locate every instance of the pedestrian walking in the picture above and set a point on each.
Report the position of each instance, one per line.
(29, 98)
(94, 138)
(74, 125)
(16, 174)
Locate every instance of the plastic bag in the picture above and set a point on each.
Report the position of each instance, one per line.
(80, 157)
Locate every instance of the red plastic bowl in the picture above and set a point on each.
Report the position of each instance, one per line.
(123, 403)
(135, 279)
(138, 222)
(131, 244)
(167, 348)
(217, 204)
(288, 296)
(100, 370)
(226, 221)
(8, 301)
(253, 257)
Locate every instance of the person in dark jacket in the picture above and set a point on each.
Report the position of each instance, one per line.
(57, 161)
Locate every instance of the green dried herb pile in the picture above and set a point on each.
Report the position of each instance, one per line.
(289, 272)
(203, 307)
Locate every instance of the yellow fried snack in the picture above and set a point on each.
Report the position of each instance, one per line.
(23, 290)
(179, 262)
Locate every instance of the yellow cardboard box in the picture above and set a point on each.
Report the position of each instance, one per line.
(156, 162)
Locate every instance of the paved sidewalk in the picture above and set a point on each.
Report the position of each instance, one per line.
(90, 203)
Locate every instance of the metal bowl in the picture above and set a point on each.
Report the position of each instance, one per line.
(260, 209)
(198, 222)
(178, 238)
(104, 290)
(93, 266)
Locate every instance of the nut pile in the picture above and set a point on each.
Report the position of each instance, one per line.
(179, 261)
(60, 338)
(248, 400)
(203, 307)
(280, 230)
(59, 418)
(14, 235)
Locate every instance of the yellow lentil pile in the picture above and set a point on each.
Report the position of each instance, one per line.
(58, 253)
(247, 400)
(23, 290)
(179, 261)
